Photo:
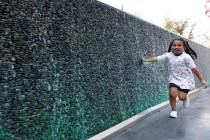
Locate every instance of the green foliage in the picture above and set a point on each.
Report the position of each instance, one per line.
(179, 27)
(191, 35)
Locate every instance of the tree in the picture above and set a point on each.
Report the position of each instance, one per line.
(191, 35)
(179, 27)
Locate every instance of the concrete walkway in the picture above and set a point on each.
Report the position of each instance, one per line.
(192, 123)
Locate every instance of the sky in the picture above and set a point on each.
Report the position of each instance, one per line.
(155, 11)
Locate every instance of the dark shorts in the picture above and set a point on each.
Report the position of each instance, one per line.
(182, 90)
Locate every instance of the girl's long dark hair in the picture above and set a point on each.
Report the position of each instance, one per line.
(187, 48)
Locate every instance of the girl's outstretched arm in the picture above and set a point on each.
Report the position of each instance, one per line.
(148, 60)
(198, 74)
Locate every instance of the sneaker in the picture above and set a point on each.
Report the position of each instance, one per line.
(186, 103)
(173, 114)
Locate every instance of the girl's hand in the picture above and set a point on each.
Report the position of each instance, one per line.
(203, 84)
(141, 60)
(148, 60)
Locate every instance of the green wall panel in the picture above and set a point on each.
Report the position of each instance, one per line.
(69, 69)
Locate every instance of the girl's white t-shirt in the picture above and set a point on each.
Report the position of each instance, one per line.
(180, 69)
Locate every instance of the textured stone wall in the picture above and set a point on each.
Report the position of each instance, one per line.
(69, 70)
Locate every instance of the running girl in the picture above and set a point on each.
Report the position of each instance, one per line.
(181, 68)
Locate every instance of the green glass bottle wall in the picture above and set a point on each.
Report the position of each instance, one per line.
(69, 69)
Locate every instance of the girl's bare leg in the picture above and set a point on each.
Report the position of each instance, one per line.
(182, 96)
(173, 92)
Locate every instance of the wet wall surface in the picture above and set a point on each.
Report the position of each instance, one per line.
(69, 69)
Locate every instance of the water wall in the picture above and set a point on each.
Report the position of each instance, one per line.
(69, 68)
